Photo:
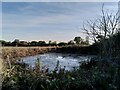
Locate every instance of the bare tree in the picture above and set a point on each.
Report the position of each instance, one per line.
(103, 27)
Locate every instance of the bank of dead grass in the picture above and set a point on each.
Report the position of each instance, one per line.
(18, 52)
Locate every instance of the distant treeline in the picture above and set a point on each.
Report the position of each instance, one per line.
(17, 42)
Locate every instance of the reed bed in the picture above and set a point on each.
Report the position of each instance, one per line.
(18, 52)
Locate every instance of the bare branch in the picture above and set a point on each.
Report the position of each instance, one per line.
(103, 27)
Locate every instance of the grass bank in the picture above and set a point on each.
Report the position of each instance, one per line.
(18, 52)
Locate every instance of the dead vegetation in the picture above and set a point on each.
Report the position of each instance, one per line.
(18, 52)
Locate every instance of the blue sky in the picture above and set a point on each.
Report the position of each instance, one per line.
(60, 0)
(48, 20)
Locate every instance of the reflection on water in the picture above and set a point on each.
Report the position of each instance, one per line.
(49, 60)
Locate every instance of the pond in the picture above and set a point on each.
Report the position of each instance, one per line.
(49, 60)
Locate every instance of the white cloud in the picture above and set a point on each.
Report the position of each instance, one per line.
(40, 26)
(24, 21)
(11, 20)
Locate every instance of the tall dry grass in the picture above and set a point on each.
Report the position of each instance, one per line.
(1, 71)
(1, 68)
(18, 52)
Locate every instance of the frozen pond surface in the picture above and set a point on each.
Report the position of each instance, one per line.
(49, 60)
